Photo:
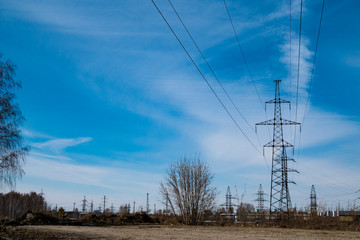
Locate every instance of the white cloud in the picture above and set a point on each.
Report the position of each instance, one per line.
(73, 180)
(70, 17)
(165, 83)
(57, 145)
(54, 157)
(334, 181)
(353, 61)
(322, 128)
(34, 134)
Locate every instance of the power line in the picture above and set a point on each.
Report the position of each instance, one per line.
(290, 54)
(212, 71)
(313, 67)
(335, 182)
(290, 67)
(298, 76)
(243, 55)
(298, 70)
(325, 193)
(312, 72)
(247, 65)
(207, 82)
(207, 63)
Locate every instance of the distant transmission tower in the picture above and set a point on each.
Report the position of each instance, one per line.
(229, 206)
(104, 209)
(260, 199)
(147, 203)
(280, 201)
(91, 206)
(84, 204)
(313, 205)
(112, 208)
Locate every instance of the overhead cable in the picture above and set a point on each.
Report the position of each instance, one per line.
(207, 63)
(299, 60)
(212, 71)
(243, 55)
(313, 67)
(207, 82)
(247, 65)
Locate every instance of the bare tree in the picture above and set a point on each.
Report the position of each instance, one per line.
(12, 149)
(187, 188)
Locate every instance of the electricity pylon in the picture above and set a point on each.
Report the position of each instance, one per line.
(228, 203)
(280, 201)
(84, 204)
(260, 199)
(147, 203)
(313, 204)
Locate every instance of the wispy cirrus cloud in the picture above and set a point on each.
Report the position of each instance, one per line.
(57, 145)
(160, 84)
(34, 134)
(83, 179)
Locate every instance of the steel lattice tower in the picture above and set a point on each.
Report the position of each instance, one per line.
(228, 203)
(280, 201)
(229, 206)
(260, 199)
(84, 204)
(313, 205)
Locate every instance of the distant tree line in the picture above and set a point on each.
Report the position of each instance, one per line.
(14, 204)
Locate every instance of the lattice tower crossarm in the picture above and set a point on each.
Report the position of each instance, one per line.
(280, 200)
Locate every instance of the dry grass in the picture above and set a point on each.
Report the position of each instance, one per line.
(178, 232)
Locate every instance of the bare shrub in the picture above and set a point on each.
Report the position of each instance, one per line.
(187, 189)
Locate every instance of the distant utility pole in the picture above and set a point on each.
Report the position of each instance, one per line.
(167, 204)
(41, 199)
(104, 203)
(313, 204)
(74, 207)
(84, 204)
(280, 200)
(147, 203)
(91, 206)
(134, 208)
(154, 209)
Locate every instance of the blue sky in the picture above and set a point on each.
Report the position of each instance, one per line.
(111, 99)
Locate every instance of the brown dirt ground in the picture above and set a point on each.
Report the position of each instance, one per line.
(174, 232)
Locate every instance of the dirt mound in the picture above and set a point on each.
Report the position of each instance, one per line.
(116, 219)
(38, 218)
